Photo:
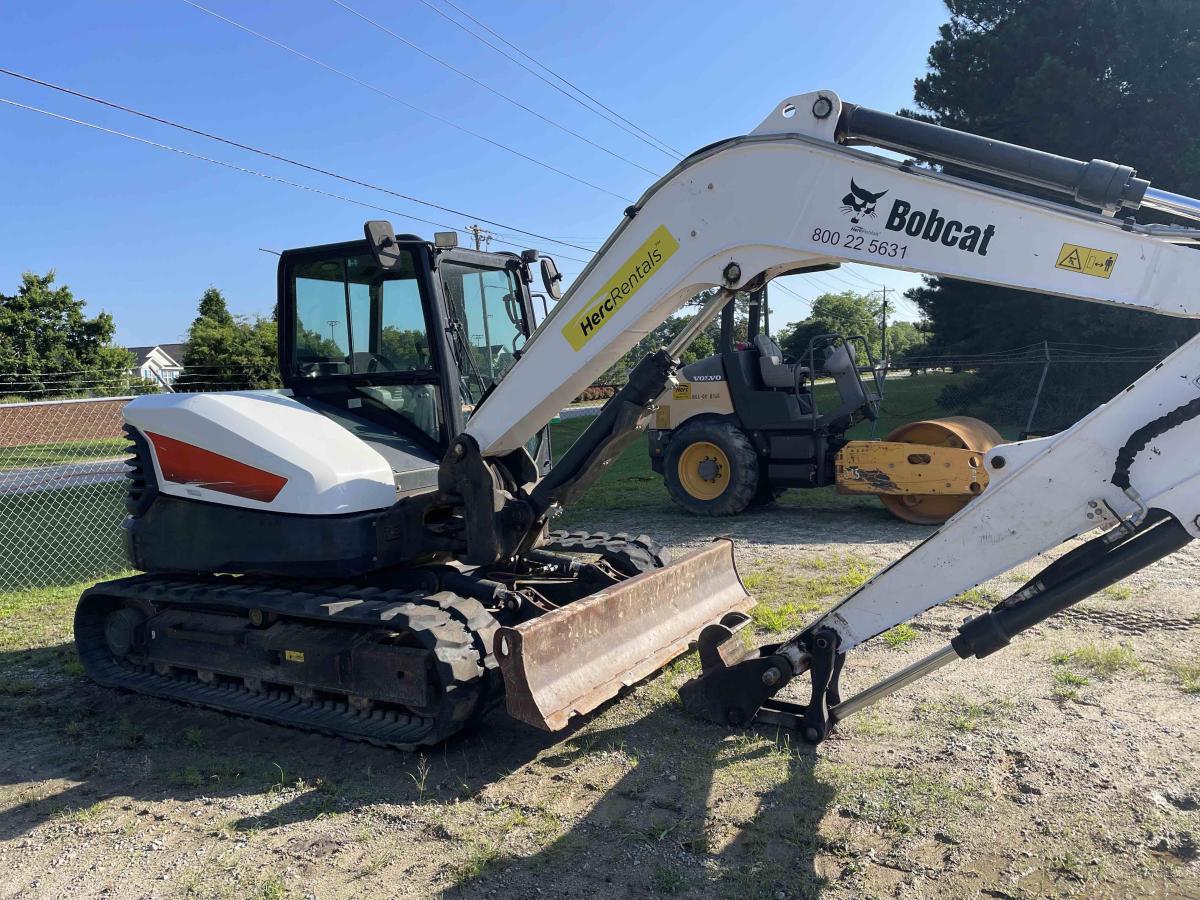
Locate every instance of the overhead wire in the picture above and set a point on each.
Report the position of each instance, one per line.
(396, 99)
(628, 126)
(487, 87)
(294, 162)
(243, 169)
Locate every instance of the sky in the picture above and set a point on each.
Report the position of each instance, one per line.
(140, 232)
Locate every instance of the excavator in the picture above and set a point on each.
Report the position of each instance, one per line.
(368, 553)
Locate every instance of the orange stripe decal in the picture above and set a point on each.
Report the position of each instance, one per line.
(188, 464)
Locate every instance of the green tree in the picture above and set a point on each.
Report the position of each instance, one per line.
(847, 313)
(48, 346)
(227, 352)
(1110, 79)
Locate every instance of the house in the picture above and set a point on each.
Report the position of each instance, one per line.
(162, 363)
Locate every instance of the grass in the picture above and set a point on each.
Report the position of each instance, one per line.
(1100, 661)
(966, 716)
(1188, 674)
(788, 596)
(900, 636)
(900, 800)
(61, 452)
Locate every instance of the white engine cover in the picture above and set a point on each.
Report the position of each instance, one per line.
(259, 450)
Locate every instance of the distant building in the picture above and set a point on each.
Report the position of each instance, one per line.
(162, 363)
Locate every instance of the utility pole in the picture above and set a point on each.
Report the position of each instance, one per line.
(883, 354)
(482, 236)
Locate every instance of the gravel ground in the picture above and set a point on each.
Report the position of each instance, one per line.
(1062, 766)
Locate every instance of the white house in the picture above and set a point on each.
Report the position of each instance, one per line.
(162, 363)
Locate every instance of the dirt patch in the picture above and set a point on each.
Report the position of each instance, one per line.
(1062, 766)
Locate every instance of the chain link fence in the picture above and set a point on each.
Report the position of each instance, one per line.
(62, 484)
(1035, 390)
(62, 474)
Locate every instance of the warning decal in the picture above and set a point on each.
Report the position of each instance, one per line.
(1086, 260)
(645, 261)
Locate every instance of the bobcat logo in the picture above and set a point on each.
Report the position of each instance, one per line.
(859, 203)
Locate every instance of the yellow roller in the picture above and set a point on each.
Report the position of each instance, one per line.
(956, 432)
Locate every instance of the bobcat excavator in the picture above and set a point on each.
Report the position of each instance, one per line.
(367, 552)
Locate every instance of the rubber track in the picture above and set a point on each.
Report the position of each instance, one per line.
(458, 631)
(631, 555)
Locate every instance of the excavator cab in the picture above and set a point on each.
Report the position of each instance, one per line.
(401, 349)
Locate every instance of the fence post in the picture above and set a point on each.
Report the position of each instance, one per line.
(1038, 393)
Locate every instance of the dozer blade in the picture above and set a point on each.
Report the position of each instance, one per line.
(569, 661)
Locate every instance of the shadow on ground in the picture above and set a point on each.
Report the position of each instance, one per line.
(67, 744)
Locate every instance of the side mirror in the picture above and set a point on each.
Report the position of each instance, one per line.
(382, 239)
(551, 278)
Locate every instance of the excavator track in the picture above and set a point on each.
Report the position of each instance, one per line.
(630, 555)
(450, 633)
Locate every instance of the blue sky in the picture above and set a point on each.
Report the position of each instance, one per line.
(141, 232)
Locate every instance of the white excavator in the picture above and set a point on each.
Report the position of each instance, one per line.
(367, 552)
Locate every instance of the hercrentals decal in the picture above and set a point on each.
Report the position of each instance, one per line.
(933, 227)
(629, 278)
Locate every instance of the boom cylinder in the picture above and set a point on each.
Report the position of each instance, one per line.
(1108, 186)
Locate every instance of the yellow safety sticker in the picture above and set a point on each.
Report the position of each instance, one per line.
(293, 655)
(682, 392)
(1086, 260)
(635, 271)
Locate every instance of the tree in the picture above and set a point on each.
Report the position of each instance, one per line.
(1111, 79)
(227, 352)
(48, 345)
(847, 313)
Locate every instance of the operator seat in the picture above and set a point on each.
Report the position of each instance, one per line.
(776, 374)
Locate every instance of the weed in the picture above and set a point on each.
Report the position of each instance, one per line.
(1188, 674)
(279, 781)
(74, 729)
(1118, 592)
(669, 880)
(783, 617)
(132, 736)
(421, 776)
(966, 716)
(976, 598)
(193, 737)
(191, 777)
(477, 861)
(1067, 684)
(899, 636)
(900, 800)
(272, 888)
(85, 813)
(1102, 662)
(16, 687)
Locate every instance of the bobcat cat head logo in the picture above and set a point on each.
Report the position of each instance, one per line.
(859, 203)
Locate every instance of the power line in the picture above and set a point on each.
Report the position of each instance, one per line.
(242, 169)
(270, 155)
(488, 87)
(626, 127)
(403, 102)
(267, 153)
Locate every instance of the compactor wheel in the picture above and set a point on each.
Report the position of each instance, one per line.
(961, 432)
(711, 468)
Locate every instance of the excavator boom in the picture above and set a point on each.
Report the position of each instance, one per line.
(792, 196)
